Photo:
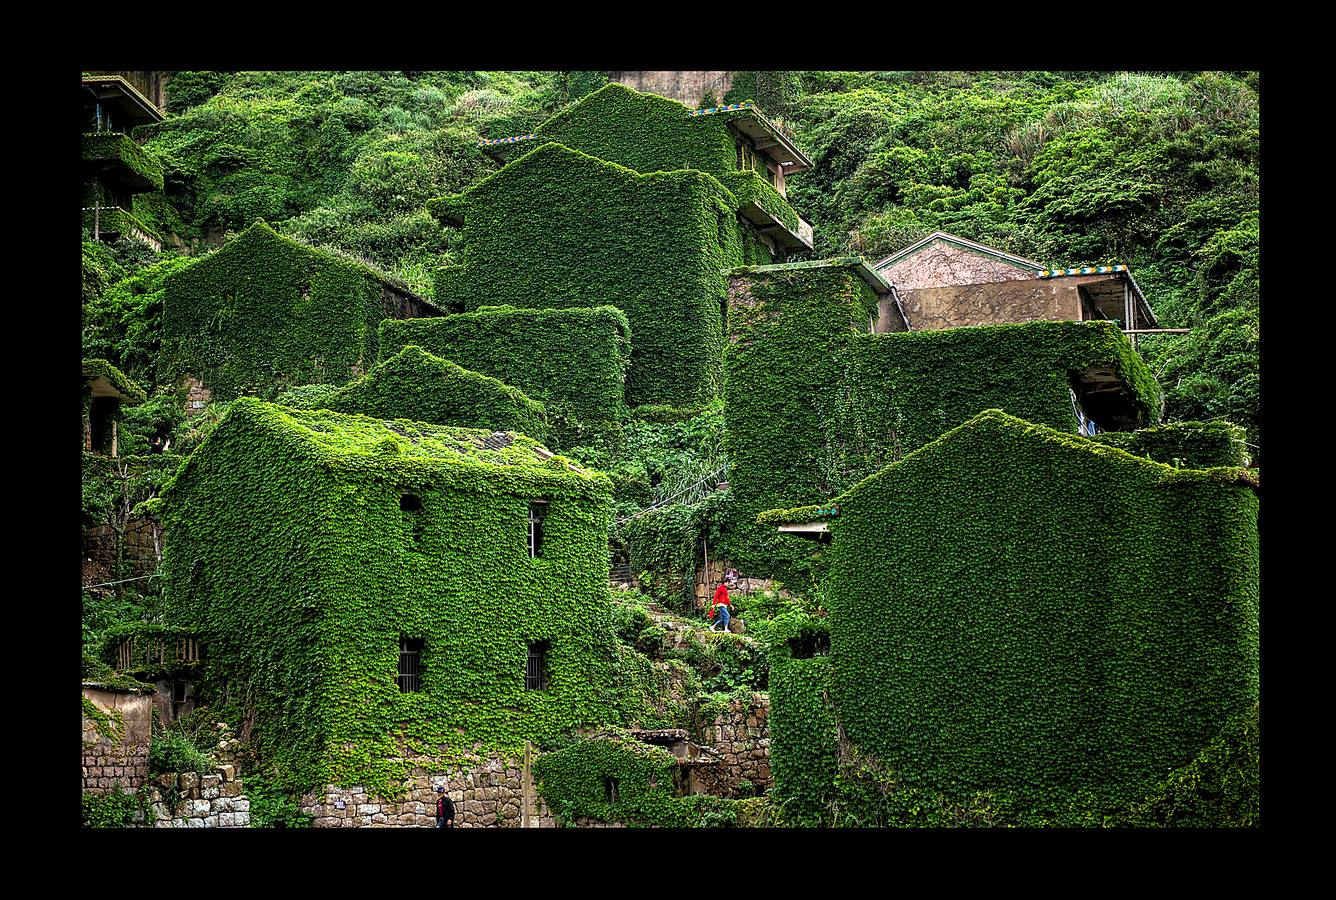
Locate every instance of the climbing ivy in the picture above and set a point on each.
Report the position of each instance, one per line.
(572, 360)
(267, 312)
(111, 148)
(1079, 656)
(820, 404)
(576, 781)
(413, 384)
(1189, 445)
(306, 544)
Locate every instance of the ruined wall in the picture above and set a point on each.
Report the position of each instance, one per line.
(488, 792)
(995, 303)
(741, 737)
(141, 548)
(939, 264)
(687, 87)
(115, 752)
(208, 801)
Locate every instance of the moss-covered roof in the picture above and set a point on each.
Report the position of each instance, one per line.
(995, 419)
(353, 443)
(109, 381)
(860, 266)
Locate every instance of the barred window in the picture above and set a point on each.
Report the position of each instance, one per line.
(537, 512)
(535, 672)
(410, 665)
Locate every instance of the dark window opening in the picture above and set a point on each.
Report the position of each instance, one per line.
(179, 692)
(610, 786)
(537, 513)
(410, 665)
(535, 671)
(809, 644)
(412, 504)
(101, 419)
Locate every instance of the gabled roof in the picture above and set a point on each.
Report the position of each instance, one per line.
(809, 518)
(260, 229)
(1019, 262)
(352, 443)
(136, 105)
(451, 209)
(105, 380)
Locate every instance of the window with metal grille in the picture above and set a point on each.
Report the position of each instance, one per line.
(610, 786)
(535, 671)
(411, 506)
(537, 512)
(410, 665)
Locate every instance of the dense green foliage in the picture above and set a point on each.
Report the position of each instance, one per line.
(414, 384)
(308, 619)
(100, 368)
(572, 360)
(820, 404)
(803, 738)
(123, 324)
(1220, 787)
(110, 149)
(1159, 171)
(579, 780)
(952, 571)
(267, 312)
(559, 228)
(1188, 445)
(115, 809)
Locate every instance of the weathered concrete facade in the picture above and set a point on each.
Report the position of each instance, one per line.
(687, 87)
(940, 263)
(115, 755)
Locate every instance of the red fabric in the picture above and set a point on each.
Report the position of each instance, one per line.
(721, 595)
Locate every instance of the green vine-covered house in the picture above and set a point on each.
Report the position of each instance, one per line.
(635, 201)
(267, 312)
(381, 586)
(1027, 613)
(115, 168)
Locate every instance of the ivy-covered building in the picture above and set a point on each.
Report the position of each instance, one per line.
(1031, 614)
(414, 384)
(385, 586)
(115, 168)
(639, 202)
(105, 391)
(816, 400)
(572, 360)
(267, 312)
(946, 281)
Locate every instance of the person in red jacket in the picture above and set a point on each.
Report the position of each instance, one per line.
(720, 606)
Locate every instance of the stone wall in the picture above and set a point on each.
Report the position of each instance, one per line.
(687, 87)
(116, 762)
(710, 577)
(741, 738)
(141, 547)
(208, 801)
(488, 792)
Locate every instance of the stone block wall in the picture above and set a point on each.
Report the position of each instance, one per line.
(141, 546)
(487, 791)
(741, 738)
(709, 577)
(208, 801)
(112, 763)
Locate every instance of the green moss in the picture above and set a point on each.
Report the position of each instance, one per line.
(802, 738)
(579, 780)
(306, 544)
(414, 384)
(572, 360)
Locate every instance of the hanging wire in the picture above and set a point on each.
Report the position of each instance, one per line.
(663, 503)
(122, 581)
